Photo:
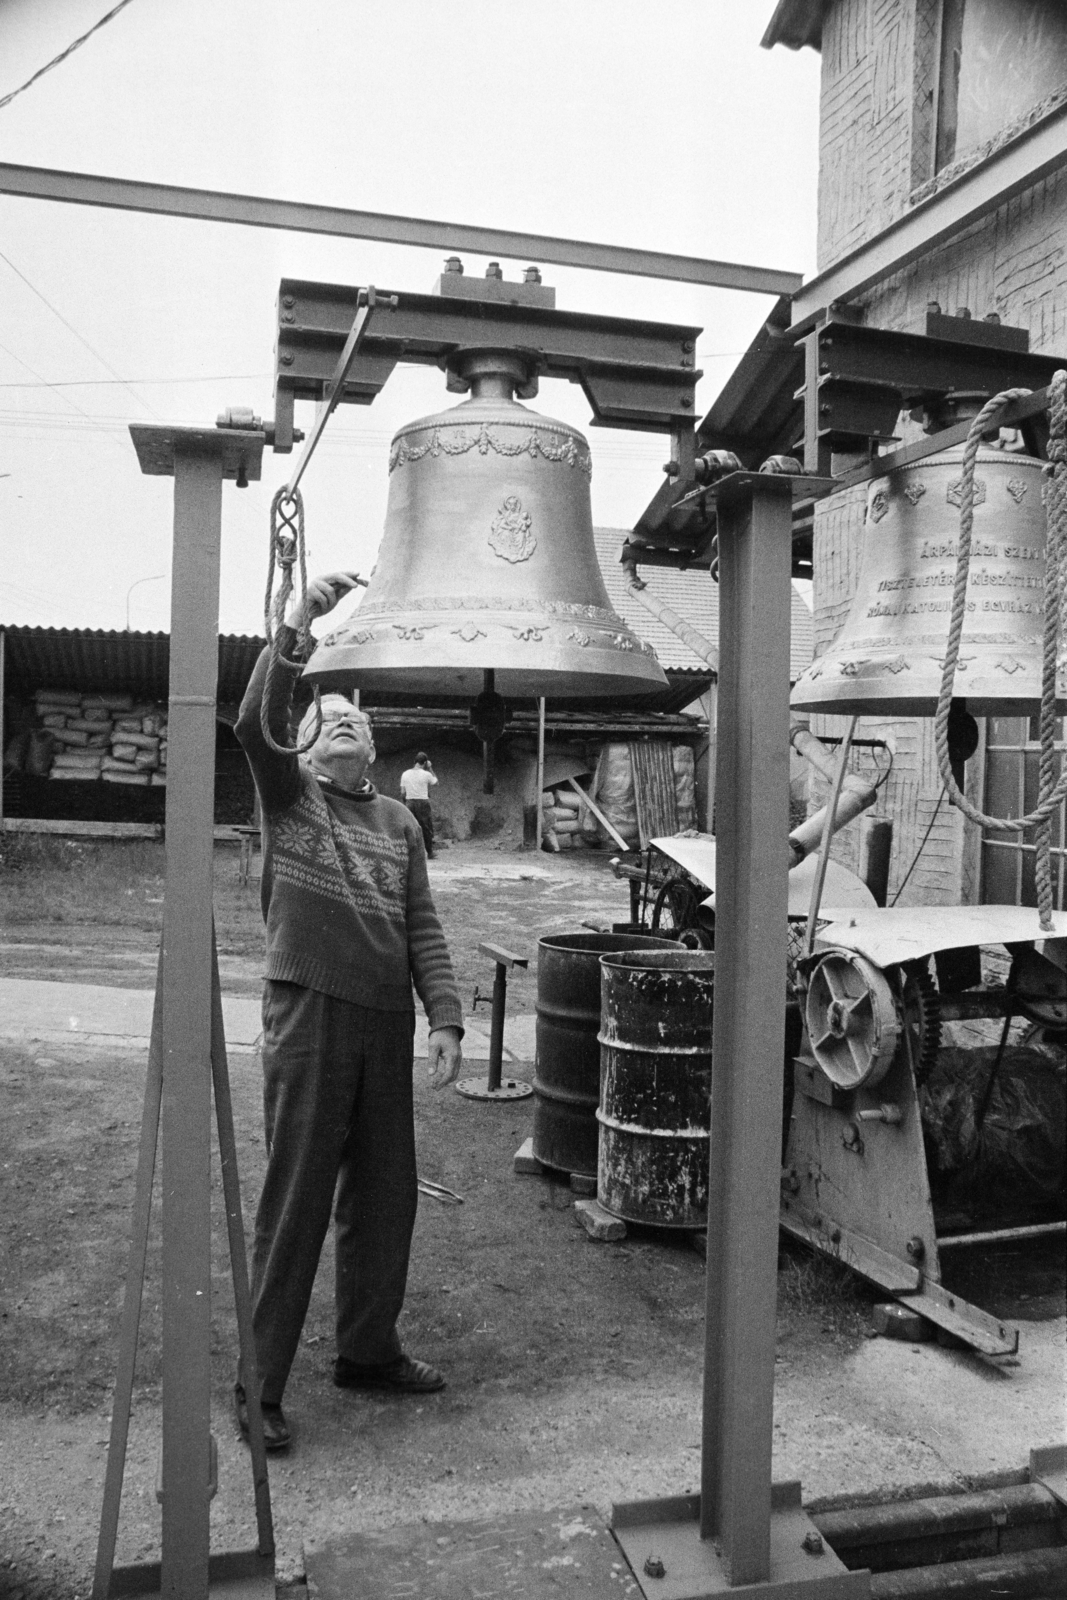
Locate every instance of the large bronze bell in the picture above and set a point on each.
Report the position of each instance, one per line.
(888, 657)
(487, 561)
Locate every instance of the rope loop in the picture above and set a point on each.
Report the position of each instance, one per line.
(1051, 791)
(286, 551)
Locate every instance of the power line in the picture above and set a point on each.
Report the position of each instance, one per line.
(103, 383)
(80, 337)
(63, 54)
(94, 421)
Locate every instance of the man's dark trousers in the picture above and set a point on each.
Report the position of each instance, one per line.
(337, 1099)
(420, 809)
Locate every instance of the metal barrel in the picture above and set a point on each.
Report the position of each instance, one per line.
(655, 1086)
(567, 1073)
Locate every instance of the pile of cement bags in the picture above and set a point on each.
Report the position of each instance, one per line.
(109, 737)
(568, 822)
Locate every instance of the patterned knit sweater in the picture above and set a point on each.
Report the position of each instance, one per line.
(346, 894)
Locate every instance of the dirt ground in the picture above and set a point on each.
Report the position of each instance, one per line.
(573, 1368)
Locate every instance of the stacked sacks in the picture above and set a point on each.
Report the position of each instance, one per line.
(83, 730)
(568, 822)
(138, 748)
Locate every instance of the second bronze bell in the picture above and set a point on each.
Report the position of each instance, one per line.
(887, 658)
(487, 560)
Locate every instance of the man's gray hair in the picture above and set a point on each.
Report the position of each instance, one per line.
(307, 721)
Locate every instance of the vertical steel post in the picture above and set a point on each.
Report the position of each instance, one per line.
(187, 945)
(755, 529)
(3, 642)
(496, 1026)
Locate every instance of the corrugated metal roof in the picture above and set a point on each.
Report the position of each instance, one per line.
(795, 23)
(696, 599)
(92, 659)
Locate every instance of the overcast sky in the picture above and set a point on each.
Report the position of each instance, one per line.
(657, 125)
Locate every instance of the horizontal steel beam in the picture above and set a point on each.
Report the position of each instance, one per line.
(1035, 154)
(254, 211)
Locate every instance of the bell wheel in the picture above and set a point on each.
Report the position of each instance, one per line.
(852, 1020)
(676, 909)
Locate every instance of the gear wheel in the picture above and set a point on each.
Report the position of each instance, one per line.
(853, 1023)
(920, 1015)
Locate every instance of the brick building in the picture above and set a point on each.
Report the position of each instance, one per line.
(925, 106)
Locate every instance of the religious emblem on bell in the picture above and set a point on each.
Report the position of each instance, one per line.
(510, 534)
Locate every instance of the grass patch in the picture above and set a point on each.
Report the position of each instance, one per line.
(816, 1288)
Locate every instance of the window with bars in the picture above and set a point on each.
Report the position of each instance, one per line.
(1011, 790)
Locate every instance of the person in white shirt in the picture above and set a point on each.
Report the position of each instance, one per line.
(415, 786)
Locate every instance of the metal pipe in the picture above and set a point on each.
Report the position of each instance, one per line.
(257, 211)
(1037, 1230)
(699, 644)
(827, 834)
(855, 793)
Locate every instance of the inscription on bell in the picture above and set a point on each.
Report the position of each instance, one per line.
(510, 535)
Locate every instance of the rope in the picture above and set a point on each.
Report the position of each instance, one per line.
(1051, 792)
(286, 549)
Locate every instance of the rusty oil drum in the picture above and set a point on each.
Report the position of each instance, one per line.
(655, 1086)
(567, 1073)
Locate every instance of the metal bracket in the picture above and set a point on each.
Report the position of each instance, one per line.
(661, 1540)
(1048, 1465)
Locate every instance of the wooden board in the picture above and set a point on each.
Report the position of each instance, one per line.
(657, 808)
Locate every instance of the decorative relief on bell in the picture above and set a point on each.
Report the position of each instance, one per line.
(541, 442)
(954, 492)
(510, 534)
(1016, 488)
(879, 505)
(468, 633)
(914, 492)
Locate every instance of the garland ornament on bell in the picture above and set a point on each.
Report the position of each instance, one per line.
(487, 561)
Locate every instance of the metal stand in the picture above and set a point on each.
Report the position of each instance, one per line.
(187, 1054)
(494, 1089)
(741, 1531)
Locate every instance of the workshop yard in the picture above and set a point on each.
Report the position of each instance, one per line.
(573, 1368)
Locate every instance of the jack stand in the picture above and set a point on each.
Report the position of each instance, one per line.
(494, 1089)
(187, 1059)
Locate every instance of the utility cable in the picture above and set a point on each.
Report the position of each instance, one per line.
(56, 61)
(922, 847)
(95, 422)
(80, 337)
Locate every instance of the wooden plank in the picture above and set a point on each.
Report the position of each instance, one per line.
(599, 815)
(87, 830)
(654, 796)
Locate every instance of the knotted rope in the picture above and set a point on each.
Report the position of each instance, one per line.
(286, 550)
(1050, 791)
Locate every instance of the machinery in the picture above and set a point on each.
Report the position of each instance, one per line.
(880, 992)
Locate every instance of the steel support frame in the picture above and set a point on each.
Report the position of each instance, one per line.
(744, 1532)
(296, 216)
(189, 1047)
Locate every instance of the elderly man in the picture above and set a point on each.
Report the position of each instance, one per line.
(350, 924)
